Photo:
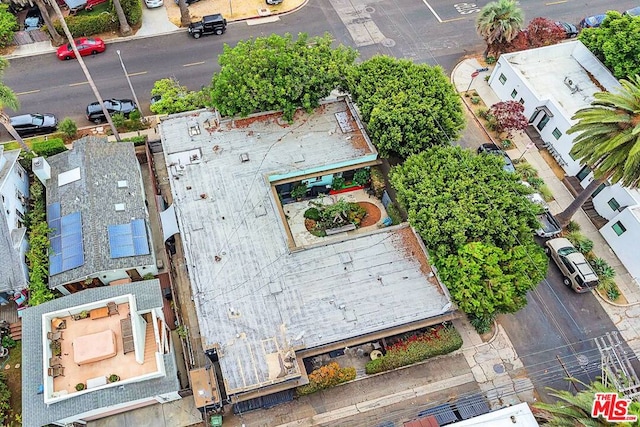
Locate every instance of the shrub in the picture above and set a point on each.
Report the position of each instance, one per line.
(8, 342)
(338, 183)
(490, 60)
(137, 140)
(299, 191)
(5, 395)
(573, 226)
(582, 243)
(8, 25)
(475, 100)
(79, 386)
(526, 170)
(49, 148)
(440, 340)
(377, 181)
(118, 120)
(482, 112)
(132, 10)
(394, 214)
(68, 127)
(361, 177)
(135, 115)
(87, 25)
(312, 213)
(546, 193)
(536, 182)
(482, 325)
(602, 268)
(506, 144)
(327, 376)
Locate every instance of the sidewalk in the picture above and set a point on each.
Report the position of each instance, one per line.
(166, 20)
(625, 317)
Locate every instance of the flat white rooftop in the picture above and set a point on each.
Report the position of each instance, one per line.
(566, 72)
(256, 300)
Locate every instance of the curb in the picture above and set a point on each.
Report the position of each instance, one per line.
(164, 33)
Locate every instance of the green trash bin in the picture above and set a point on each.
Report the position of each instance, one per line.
(216, 420)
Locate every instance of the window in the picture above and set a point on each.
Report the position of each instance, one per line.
(556, 133)
(568, 264)
(514, 93)
(583, 173)
(543, 122)
(521, 101)
(613, 204)
(618, 228)
(502, 78)
(599, 189)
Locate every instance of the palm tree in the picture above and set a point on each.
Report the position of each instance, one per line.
(608, 140)
(57, 38)
(92, 84)
(575, 410)
(499, 22)
(8, 99)
(185, 18)
(125, 29)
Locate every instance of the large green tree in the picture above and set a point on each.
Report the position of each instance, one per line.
(575, 409)
(8, 25)
(407, 107)
(278, 73)
(477, 226)
(616, 43)
(608, 140)
(499, 22)
(176, 98)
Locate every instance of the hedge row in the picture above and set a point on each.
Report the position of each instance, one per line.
(49, 147)
(416, 349)
(327, 376)
(88, 25)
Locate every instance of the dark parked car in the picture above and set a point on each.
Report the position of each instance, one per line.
(210, 24)
(570, 30)
(493, 149)
(33, 20)
(188, 2)
(34, 124)
(114, 106)
(592, 21)
(86, 46)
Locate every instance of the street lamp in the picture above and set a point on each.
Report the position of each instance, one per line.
(135, 98)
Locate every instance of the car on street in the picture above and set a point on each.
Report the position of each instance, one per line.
(33, 20)
(633, 12)
(210, 24)
(569, 29)
(86, 46)
(152, 4)
(592, 21)
(576, 271)
(34, 124)
(490, 148)
(113, 106)
(93, 3)
(273, 2)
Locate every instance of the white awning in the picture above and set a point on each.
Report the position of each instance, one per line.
(169, 222)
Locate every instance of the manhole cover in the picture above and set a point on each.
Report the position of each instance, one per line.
(369, 9)
(582, 360)
(388, 42)
(498, 368)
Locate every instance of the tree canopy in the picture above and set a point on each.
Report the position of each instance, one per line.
(616, 42)
(477, 226)
(8, 25)
(407, 107)
(175, 98)
(278, 73)
(499, 22)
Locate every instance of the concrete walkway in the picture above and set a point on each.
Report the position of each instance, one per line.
(626, 317)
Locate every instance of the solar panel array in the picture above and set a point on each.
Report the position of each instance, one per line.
(67, 249)
(128, 239)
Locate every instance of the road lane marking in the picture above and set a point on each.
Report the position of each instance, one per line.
(193, 63)
(28, 92)
(137, 74)
(555, 2)
(432, 11)
(78, 84)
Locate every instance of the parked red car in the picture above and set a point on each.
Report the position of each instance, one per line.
(86, 46)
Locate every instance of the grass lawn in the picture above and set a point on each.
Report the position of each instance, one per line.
(14, 377)
(97, 10)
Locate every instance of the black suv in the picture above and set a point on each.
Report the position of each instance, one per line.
(113, 106)
(34, 124)
(493, 149)
(210, 24)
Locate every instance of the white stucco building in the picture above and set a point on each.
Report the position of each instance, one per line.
(553, 83)
(14, 189)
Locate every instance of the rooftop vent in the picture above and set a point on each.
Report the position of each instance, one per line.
(68, 177)
(194, 128)
(571, 85)
(123, 184)
(120, 207)
(244, 157)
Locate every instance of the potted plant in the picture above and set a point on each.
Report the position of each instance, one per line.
(338, 183)
(299, 191)
(56, 348)
(113, 378)
(84, 314)
(80, 387)
(361, 177)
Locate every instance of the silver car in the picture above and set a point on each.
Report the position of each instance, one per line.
(151, 4)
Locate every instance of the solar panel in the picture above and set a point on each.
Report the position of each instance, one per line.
(67, 249)
(128, 239)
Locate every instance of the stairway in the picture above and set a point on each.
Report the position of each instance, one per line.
(15, 330)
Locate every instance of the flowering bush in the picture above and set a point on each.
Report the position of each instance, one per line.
(416, 348)
(327, 376)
